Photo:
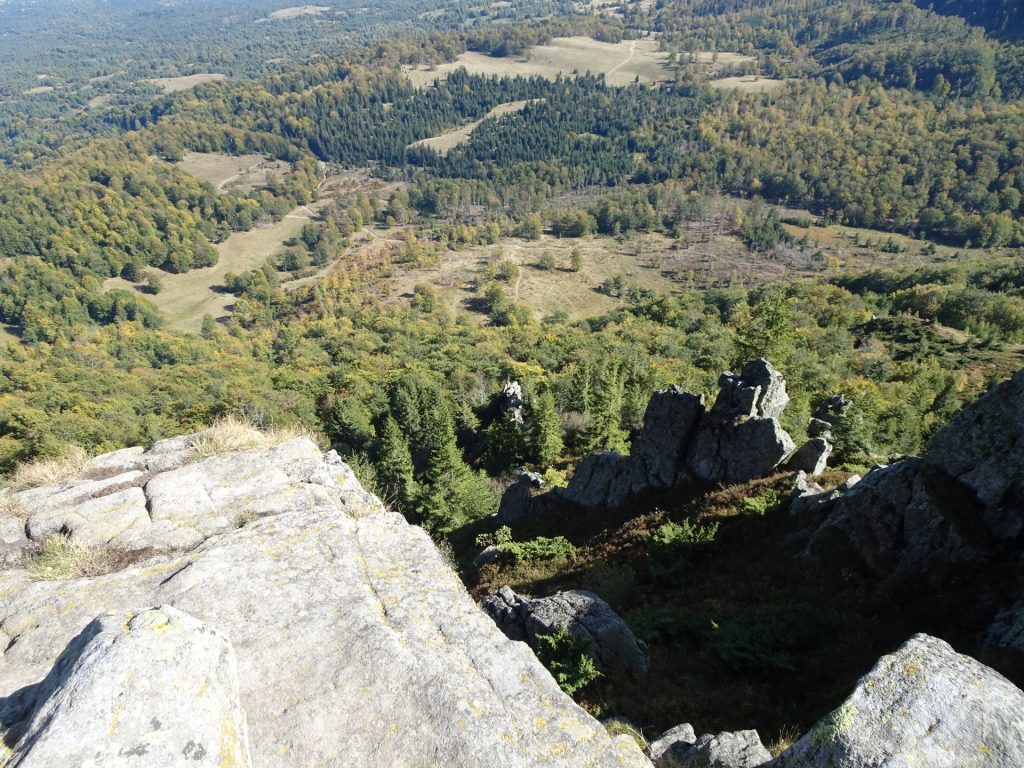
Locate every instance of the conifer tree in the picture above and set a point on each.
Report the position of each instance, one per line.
(395, 470)
(545, 429)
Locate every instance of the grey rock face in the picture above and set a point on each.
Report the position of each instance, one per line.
(819, 428)
(811, 457)
(595, 479)
(356, 644)
(739, 749)
(963, 501)
(1007, 630)
(729, 451)
(510, 402)
(670, 420)
(180, 505)
(515, 501)
(922, 705)
(738, 440)
(833, 408)
(759, 391)
(983, 449)
(160, 689)
(678, 739)
(612, 644)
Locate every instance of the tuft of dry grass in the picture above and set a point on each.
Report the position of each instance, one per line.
(787, 737)
(234, 434)
(58, 558)
(49, 471)
(11, 506)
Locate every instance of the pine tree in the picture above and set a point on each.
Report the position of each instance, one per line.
(605, 432)
(395, 470)
(545, 429)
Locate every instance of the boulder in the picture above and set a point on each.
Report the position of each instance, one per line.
(727, 450)
(811, 457)
(612, 643)
(982, 448)
(486, 556)
(596, 477)
(515, 501)
(759, 391)
(924, 705)
(159, 689)
(678, 739)
(671, 417)
(739, 749)
(819, 428)
(508, 610)
(356, 643)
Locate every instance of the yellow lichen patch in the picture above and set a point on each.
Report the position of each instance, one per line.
(115, 717)
(232, 752)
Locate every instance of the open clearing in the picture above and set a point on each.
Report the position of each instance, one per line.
(545, 292)
(621, 63)
(298, 10)
(749, 84)
(240, 173)
(99, 101)
(186, 297)
(445, 142)
(38, 89)
(175, 84)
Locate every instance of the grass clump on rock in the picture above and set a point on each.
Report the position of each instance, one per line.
(59, 558)
(51, 470)
(234, 434)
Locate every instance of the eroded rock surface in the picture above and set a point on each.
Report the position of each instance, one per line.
(155, 690)
(356, 643)
(923, 705)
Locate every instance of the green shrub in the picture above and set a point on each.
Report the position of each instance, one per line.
(567, 657)
(541, 548)
(762, 504)
(675, 534)
(671, 547)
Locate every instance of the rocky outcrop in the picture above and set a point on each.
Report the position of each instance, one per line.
(511, 403)
(922, 705)
(739, 439)
(159, 689)
(163, 499)
(680, 748)
(612, 644)
(515, 501)
(679, 738)
(963, 501)
(356, 643)
(811, 457)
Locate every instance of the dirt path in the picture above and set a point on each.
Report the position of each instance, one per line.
(624, 62)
